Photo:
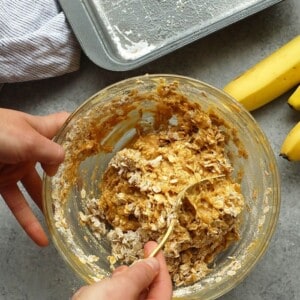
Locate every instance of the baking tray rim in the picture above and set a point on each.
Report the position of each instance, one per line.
(97, 50)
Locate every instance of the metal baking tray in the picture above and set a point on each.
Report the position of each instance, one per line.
(120, 35)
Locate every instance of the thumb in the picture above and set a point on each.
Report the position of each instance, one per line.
(49, 125)
(46, 151)
(140, 275)
(126, 285)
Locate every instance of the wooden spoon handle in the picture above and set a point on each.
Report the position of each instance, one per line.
(164, 239)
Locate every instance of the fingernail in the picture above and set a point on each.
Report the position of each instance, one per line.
(153, 263)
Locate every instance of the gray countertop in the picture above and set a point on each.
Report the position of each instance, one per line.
(30, 272)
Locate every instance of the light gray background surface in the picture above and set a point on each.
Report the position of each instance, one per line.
(29, 272)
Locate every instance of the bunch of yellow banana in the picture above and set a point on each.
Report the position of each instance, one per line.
(266, 81)
(294, 99)
(290, 148)
(269, 79)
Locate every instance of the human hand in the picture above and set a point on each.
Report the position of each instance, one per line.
(25, 140)
(147, 279)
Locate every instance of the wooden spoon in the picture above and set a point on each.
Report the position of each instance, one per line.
(179, 199)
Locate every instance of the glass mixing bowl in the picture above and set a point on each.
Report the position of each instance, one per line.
(77, 179)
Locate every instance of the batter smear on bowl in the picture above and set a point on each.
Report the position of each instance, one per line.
(184, 144)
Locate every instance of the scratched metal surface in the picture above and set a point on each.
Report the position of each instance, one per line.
(133, 32)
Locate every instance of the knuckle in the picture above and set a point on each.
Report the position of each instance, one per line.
(29, 144)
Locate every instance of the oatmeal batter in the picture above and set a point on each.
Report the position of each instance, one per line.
(141, 184)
